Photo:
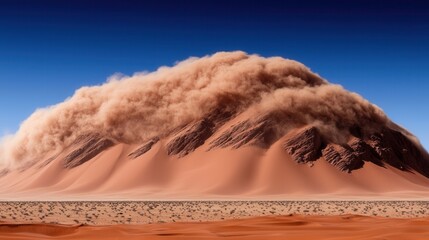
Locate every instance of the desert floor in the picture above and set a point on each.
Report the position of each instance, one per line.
(215, 219)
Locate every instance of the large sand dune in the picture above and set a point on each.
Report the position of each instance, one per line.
(224, 126)
(246, 172)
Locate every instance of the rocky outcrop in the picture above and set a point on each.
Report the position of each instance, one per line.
(309, 145)
(190, 138)
(342, 157)
(384, 147)
(305, 146)
(144, 148)
(90, 146)
(259, 132)
(399, 151)
(364, 151)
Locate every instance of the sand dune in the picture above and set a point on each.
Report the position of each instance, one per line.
(231, 125)
(247, 172)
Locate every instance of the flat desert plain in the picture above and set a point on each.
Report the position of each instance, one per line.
(215, 220)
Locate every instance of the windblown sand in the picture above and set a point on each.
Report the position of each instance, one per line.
(215, 219)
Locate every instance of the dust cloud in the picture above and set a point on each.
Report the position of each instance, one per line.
(131, 109)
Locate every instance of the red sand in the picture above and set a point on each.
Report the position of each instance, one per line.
(248, 172)
(290, 227)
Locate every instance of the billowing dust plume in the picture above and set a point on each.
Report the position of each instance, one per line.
(131, 109)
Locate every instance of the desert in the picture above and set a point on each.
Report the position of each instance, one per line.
(229, 145)
(230, 124)
(215, 220)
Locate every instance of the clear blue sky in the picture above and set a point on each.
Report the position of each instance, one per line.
(379, 49)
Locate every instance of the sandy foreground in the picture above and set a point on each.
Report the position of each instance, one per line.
(215, 219)
(273, 227)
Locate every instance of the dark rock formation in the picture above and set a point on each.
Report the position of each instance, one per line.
(384, 147)
(364, 151)
(399, 151)
(144, 148)
(305, 146)
(259, 132)
(190, 138)
(90, 146)
(342, 157)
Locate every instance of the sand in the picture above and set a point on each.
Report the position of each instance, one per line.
(248, 172)
(245, 173)
(273, 227)
(149, 212)
(228, 126)
(215, 219)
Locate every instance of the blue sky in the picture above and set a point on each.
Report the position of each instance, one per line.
(379, 49)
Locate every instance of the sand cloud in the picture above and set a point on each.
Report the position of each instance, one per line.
(131, 109)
